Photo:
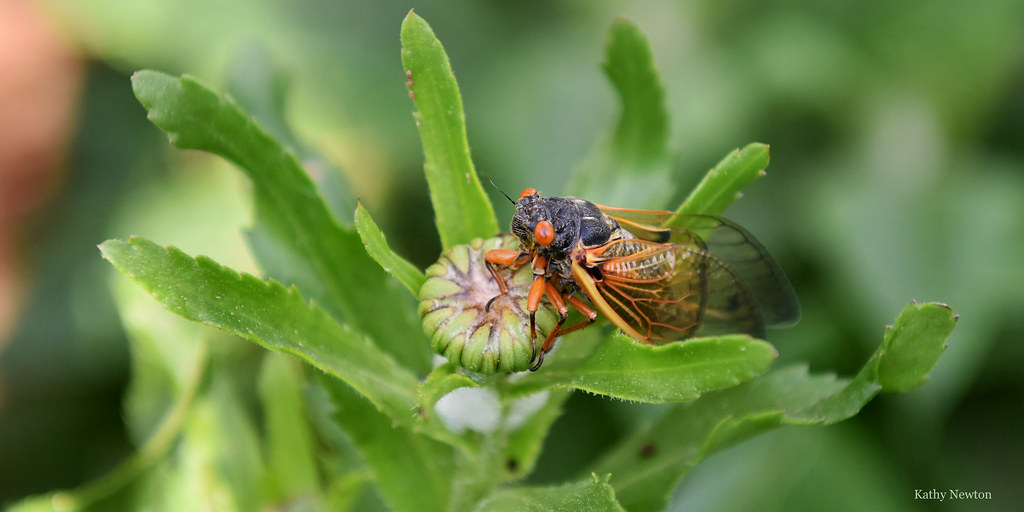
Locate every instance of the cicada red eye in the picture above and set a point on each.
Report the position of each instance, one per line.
(544, 233)
(528, 192)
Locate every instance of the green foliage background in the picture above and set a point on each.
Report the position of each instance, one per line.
(896, 131)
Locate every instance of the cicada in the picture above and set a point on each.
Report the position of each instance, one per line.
(656, 283)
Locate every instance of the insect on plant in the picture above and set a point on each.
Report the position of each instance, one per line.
(657, 284)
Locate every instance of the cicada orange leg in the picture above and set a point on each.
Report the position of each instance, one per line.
(514, 259)
(540, 287)
(558, 302)
(506, 258)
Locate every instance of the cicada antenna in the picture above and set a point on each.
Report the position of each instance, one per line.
(502, 191)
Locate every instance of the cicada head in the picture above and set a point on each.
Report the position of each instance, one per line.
(525, 219)
(550, 225)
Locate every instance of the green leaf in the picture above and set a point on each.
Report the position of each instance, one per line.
(378, 249)
(844, 403)
(296, 233)
(344, 492)
(592, 494)
(289, 444)
(913, 345)
(526, 440)
(641, 137)
(268, 314)
(462, 209)
(183, 372)
(722, 184)
(477, 474)
(631, 168)
(221, 437)
(412, 472)
(168, 356)
(443, 380)
(350, 480)
(648, 465)
(261, 86)
(524, 423)
(194, 117)
(622, 368)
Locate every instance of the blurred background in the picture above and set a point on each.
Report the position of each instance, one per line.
(897, 174)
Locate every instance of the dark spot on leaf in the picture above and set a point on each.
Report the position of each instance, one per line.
(648, 450)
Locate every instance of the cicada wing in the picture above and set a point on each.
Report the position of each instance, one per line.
(749, 261)
(667, 292)
(643, 224)
(730, 306)
(687, 229)
(734, 246)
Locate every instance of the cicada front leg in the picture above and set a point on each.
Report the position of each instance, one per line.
(506, 258)
(514, 259)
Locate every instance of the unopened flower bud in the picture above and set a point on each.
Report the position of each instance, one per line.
(461, 327)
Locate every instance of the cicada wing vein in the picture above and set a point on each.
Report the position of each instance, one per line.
(728, 242)
(666, 292)
(586, 283)
(644, 224)
(750, 262)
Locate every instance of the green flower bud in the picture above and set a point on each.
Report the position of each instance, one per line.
(453, 303)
